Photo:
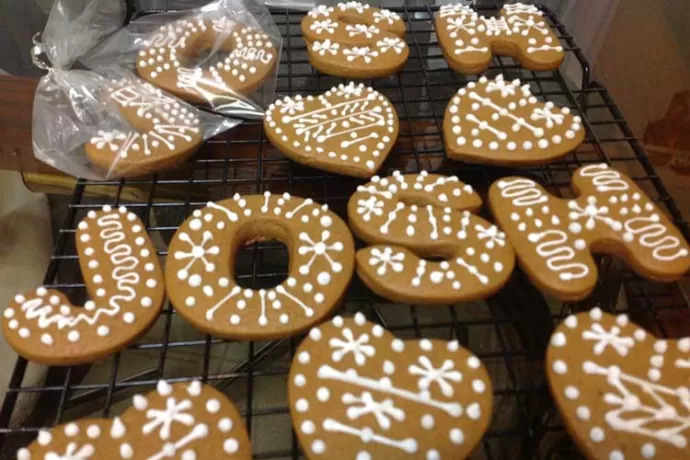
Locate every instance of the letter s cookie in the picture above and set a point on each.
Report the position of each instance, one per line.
(410, 216)
(554, 237)
(122, 276)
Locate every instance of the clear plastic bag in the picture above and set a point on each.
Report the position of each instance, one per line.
(224, 55)
(106, 123)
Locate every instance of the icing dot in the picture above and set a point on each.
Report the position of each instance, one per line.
(596, 434)
(93, 431)
(213, 405)
(571, 322)
(300, 380)
(660, 346)
(315, 334)
(47, 339)
(72, 429)
(303, 357)
(559, 367)
(473, 411)
(302, 405)
(323, 278)
(616, 455)
(308, 427)
(648, 450)
(188, 455)
(129, 317)
(23, 454)
(457, 436)
(44, 437)
(583, 413)
(126, 451)
(230, 445)
(73, 336)
(398, 345)
(146, 302)
(432, 454)
(473, 362)
(322, 394)
(572, 393)
(318, 446)
(388, 367)
(425, 345)
(103, 330)
(558, 339)
(478, 386)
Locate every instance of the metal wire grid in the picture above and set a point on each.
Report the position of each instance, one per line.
(509, 332)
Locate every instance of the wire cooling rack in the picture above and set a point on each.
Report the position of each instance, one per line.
(509, 331)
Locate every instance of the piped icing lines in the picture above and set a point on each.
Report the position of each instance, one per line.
(161, 128)
(469, 40)
(355, 40)
(349, 129)
(502, 122)
(622, 392)
(187, 420)
(249, 57)
(124, 280)
(554, 237)
(358, 392)
(199, 269)
(408, 217)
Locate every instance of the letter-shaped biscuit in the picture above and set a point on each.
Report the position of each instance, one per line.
(408, 217)
(469, 40)
(355, 40)
(163, 131)
(553, 237)
(199, 270)
(180, 420)
(164, 60)
(122, 276)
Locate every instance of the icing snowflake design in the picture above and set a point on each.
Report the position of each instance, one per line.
(173, 412)
(592, 213)
(391, 43)
(358, 347)
(506, 88)
(326, 46)
(493, 236)
(197, 253)
(321, 10)
(611, 338)
(371, 205)
(291, 106)
(357, 6)
(104, 138)
(327, 25)
(548, 115)
(386, 15)
(361, 29)
(363, 52)
(385, 259)
(73, 451)
(441, 376)
(351, 90)
(319, 249)
(383, 411)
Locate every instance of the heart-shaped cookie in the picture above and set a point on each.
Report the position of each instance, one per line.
(501, 122)
(187, 421)
(348, 130)
(124, 279)
(623, 393)
(357, 392)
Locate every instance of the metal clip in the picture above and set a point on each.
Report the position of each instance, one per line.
(36, 51)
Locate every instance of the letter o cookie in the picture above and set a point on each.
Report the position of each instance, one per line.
(122, 276)
(201, 258)
(163, 131)
(185, 421)
(355, 40)
(409, 217)
(163, 61)
(554, 237)
(469, 40)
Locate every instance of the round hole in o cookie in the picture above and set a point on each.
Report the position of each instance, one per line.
(264, 242)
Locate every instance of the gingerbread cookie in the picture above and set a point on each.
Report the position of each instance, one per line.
(357, 392)
(355, 40)
(554, 237)
(181, 420)
(469, 40)
(623, 393)
(501, 122)
(408, 218)
(199, 269)
(251, 58)
(163, 131)
(122, 276)
(348, 130)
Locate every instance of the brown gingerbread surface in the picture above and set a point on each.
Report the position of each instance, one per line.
(186, 421)
(249, 59)
(469, 40)
(501, 122)
(408, 218)
(355, 40)
(123, 279)
(623, 393)
(554, 238)
(358, 392)
(349, 130)
(159, 131)
(199, 269)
